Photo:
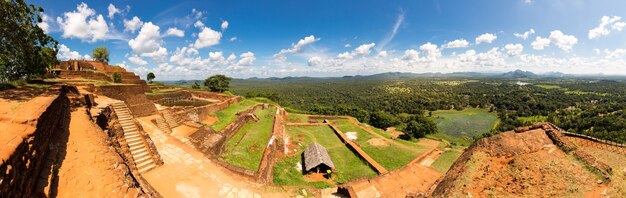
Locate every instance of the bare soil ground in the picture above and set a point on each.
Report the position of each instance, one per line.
(378, 142)
(89, 166)
(513, 164)
(613, 157)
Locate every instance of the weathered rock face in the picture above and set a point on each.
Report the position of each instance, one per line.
(516, 163)
(26, 153)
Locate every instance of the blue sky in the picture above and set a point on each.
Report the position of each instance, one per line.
(196, 39)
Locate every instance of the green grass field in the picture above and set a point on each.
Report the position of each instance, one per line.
(348, 166)
(245, 149)
(445, 160)
(461, 126)
(298, 118)
(528, 120)
(228, 115)
(392, 157)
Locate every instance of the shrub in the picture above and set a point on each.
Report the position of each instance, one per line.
(117, 77)
(6, 86)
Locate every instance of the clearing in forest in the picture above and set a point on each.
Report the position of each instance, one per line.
(245, 149)
(461, 126)
(348, 165)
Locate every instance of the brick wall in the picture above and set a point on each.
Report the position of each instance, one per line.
(133, 95)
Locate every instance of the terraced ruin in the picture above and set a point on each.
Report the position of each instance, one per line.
(87, 134)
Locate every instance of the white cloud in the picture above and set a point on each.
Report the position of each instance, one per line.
(198, 24)
(393, 32)
(597, 51)
(525, 35)
(113, 10)
(232, 39)
(347, 45)
(514, 49)
(431, 50)
(411, 55)
(540, 43)
(563, 41)
(66, 54)
(148, 42)
(606, 24)
(216, 56)
(175, 32)
(382, 54)
(132, 25)
(486, 38)
(207, 38)
(459, 43)
(196, 13)
(185, 56)
(137, 60)
(468, 56)
(224, 25)
(314, 61)
(617, 53)
(83, 24)
(45, 23)
(364, 49)
(345, 55)
(246, 59)
(297, 47)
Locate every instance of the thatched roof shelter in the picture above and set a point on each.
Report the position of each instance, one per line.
(316, 155)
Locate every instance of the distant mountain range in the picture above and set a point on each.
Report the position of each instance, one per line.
(517, 74)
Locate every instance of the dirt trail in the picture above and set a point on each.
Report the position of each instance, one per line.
(89, 165)
(427, 144)
(188, 173)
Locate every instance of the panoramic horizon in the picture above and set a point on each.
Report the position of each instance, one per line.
(193, 39)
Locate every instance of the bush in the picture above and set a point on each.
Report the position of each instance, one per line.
(6, 86)
(117, 77)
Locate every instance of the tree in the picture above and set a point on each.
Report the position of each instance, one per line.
(117, 77)
(150, 77)
(217, 83)
(23, 44)
(101, 54)
(195, 85)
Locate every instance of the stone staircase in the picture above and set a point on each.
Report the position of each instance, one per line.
(134, 139)
(171, 120)
(163, 125)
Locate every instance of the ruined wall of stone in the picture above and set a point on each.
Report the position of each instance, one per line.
(179, 94)
(211, 95)
(274, 145)
(133, 95)
(85, 74)
(197, 114)
(23, 159)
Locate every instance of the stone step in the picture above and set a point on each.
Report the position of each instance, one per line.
(144, 163)
(139, 160)
(133, 139)
(142, 154)
(130, 129)
(134, 135)
(134, 144)
(127, 123)
(138, 150)
(147, 168)
(130, 133)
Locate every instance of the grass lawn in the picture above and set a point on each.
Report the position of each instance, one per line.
(392, 157)
(348, 166)
(298, 118)
(228, 115)
(445, 161)
(245, 149)
(461, 126)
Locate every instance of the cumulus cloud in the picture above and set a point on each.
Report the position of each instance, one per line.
(83, 23)
(431, 50)
(216, 56)
(382, 54)
(345, 55)
(411, 55)
(525, 35)
(540, 43)
(364, 49)
(459, 43)
(207, 38)
(175, 32)
(314, 61)
(606, 25)
(199, 24)
(514, 49)
(137, 60)
(246, 59)
(132, 25)
(233, 39)
(148, 42)
(486, 38)
(224, 25)
(563, 41)
(45, 23)
(297, 47)
(617, 53)
(186, 56)
(66, 54)
(113, 10)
